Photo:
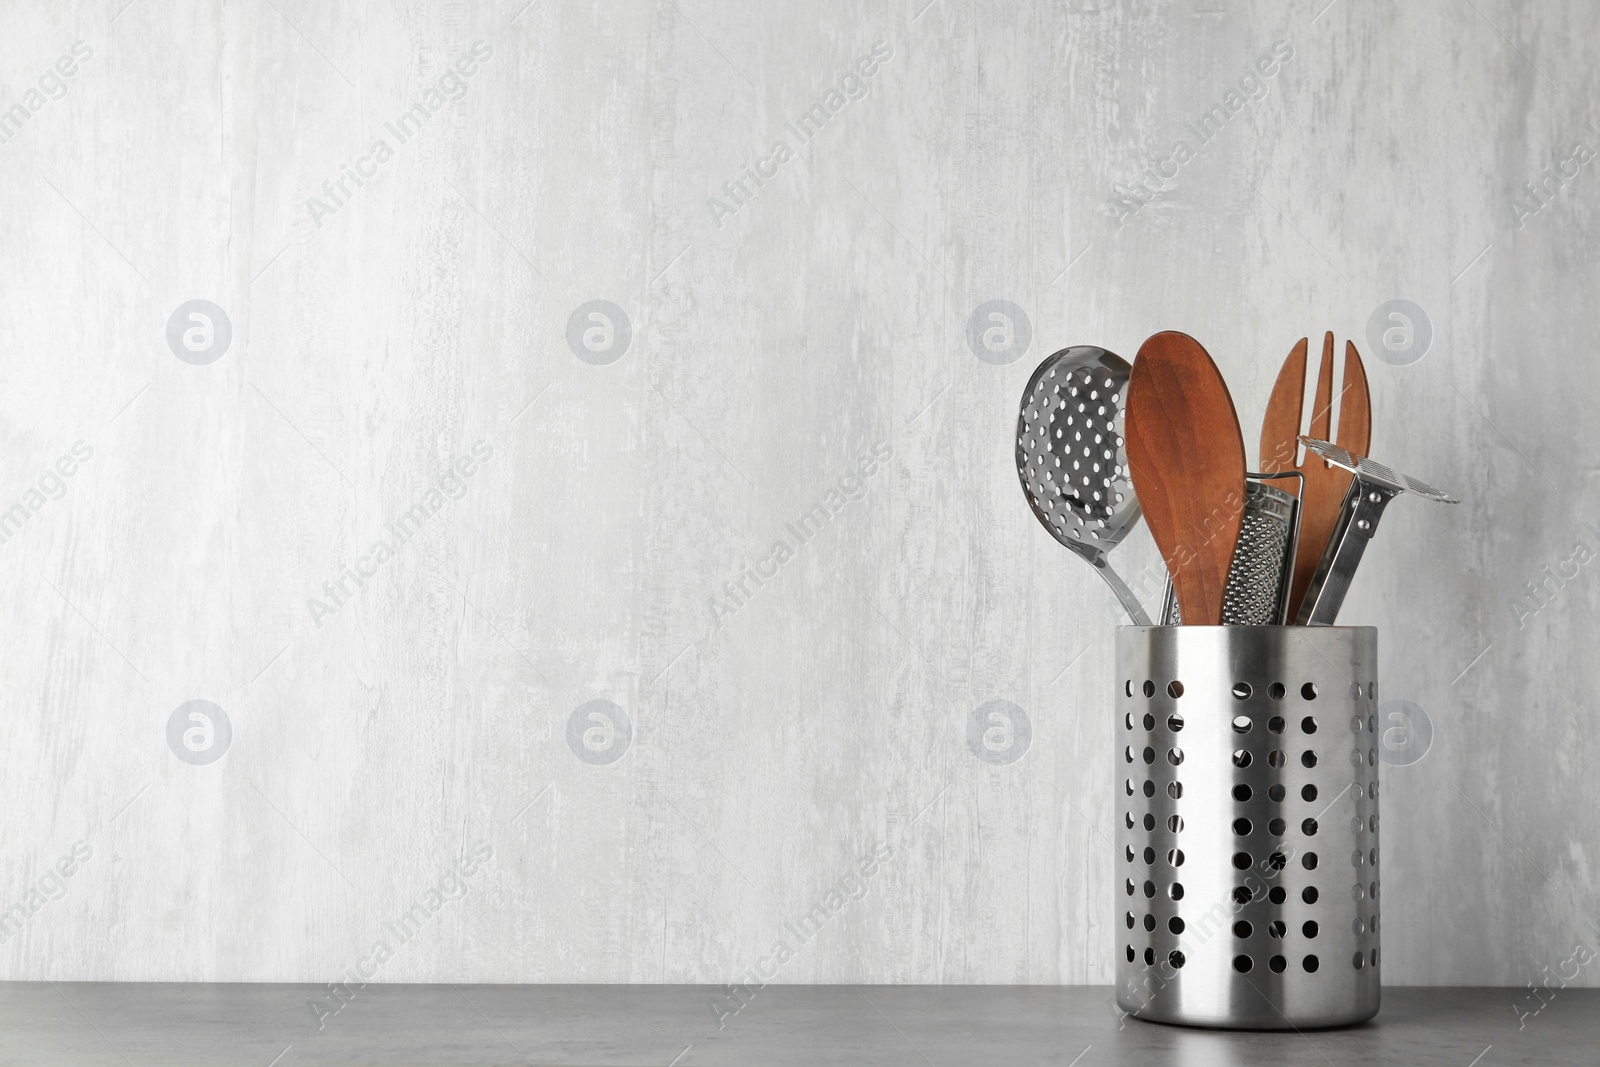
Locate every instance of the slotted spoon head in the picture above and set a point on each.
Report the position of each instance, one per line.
(1071, 455)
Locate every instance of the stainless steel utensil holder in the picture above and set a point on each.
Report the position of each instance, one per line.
(1247, 825)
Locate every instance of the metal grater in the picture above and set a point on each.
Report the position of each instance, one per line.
(1258, 579)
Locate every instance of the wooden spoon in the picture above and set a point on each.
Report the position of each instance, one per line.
(1187, 459)
(1280, 433)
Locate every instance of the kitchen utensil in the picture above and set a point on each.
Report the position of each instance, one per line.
(1325, 486)
(1072, 459)
(1258, 578)
(1372, 486)
(1246, 800)
(1187, 460)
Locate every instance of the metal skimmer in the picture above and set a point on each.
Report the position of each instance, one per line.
(1257, 593)
(1072, 460)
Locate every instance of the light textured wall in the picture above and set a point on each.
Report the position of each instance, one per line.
(773, 741)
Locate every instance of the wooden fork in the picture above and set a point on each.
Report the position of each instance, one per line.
(1325, 485)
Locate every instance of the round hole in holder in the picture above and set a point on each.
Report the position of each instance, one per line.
(1277, 894)
(1276, 724)
(1308, 691)
(1309, 928)
(1149, 788)
(1176, 892)
(1308, 758)
(1309, 894)
(1149, 922)
(1241, 964)
(1129, 918)
(1275, 758)
(1241, 757)
(1276, 929)
(1242, 827)
(1242, 690)
(1242, 929)
(1127, 687)
(1242, 894)
(1374, 957)
(1149, 854)
(1149, 821)
(1175, 756)
(1175, 722)
(1175, 857)
(1149, 688)
(1277, 861)
(1309, 861)
(1358, 892)
(1175, 958)
(1127, 786)
(1175, 790)
(1241, 724)
(1128, 852)
(1127, 753)
(1373, 890)
(1276, 827)
(1275, 792)
(1358, 927)
(1129, 720)
(1150, 957)
(1149, 721)
(1309, 827)
(1309, 724)
(1175, 823)
(1355, 724)
(1149, 755)
(1175, 924)
(1241, 861)
(1357, 859)
(1131, 956)
(1131, 887)
(1149, 889)
(1127, 817)
(1275, 690)
(1241, 793)
(1358, 960)
(1276, 963)
(1310, 963)
(1174, 689)
(1308, 793)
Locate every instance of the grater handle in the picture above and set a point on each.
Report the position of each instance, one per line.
(1363, 506)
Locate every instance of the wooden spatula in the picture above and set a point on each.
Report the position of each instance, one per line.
(1280, 432)
(1187, 459)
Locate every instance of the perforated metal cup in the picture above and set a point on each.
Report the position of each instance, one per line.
(1247, 825)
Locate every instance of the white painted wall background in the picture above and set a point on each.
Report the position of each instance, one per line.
(769, 353)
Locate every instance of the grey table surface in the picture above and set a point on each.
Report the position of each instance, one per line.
(929, 1026)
